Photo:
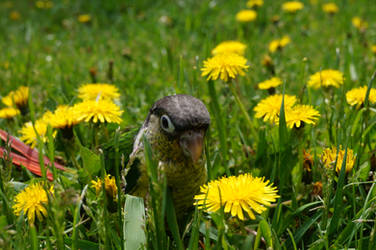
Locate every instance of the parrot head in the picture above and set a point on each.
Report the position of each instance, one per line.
(176, 126)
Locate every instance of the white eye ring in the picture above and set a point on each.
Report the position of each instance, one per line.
(166, 124)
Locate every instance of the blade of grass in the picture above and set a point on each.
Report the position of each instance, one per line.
(292, 239)
(304, 228)
(5, 205)
(172, 221)
(366, 100)
(193, 240)
(76, 218)
(117, 179)
(158, 194)
(338, 199)
(258, 238)
(51, 151)
(39, 141)
(284, 168)
(365, 212)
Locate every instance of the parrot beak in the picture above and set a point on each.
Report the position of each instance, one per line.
(191, 142)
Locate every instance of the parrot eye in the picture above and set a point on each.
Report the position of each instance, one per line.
(166, 124)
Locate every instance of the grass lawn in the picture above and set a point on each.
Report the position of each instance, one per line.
(320, 158)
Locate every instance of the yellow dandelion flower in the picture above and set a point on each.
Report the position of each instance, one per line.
(9, 112)
(292, 6)
(267, 61)
(329, 156)
(47, 117)
(97, 185)
(64, 117)
(98, 111)
(97, 91)
(275, 19)
(356, 21)
(326, 78)
(245, 16)
(29, 136)
(270, 83)
(279, 44)
(255, 3)
(32, 201)
(6, 65)
(84, 18)
(308, 160)
(357, 96)
(109, 185)
(301, 114)
(15, 15)
(43, 4)
(224, 66)
(330, 8)
(17, 98)
(359, 23)
(373, 49)
(285, 40)
(237, 194)
(317, 188)
(269, 108)
(230, 47)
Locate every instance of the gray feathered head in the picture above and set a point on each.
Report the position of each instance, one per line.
(184, 111)
(184, 120)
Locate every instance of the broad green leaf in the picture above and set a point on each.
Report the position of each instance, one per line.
(134, 223)
(211, 232)
(33, 238)
(248, 242)
(91, 161)
(266, 232)
(3, 221)
(363, 172)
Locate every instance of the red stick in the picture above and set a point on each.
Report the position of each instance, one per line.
(30, 165)
(28, 152)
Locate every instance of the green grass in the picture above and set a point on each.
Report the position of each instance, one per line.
(52, 53)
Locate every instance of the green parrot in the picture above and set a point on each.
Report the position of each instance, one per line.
(175, 128)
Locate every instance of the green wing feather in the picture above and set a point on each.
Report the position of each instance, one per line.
(133, 177)
(126, 140)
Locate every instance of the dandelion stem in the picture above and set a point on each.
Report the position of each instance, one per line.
(218, 118)
(244, 111)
